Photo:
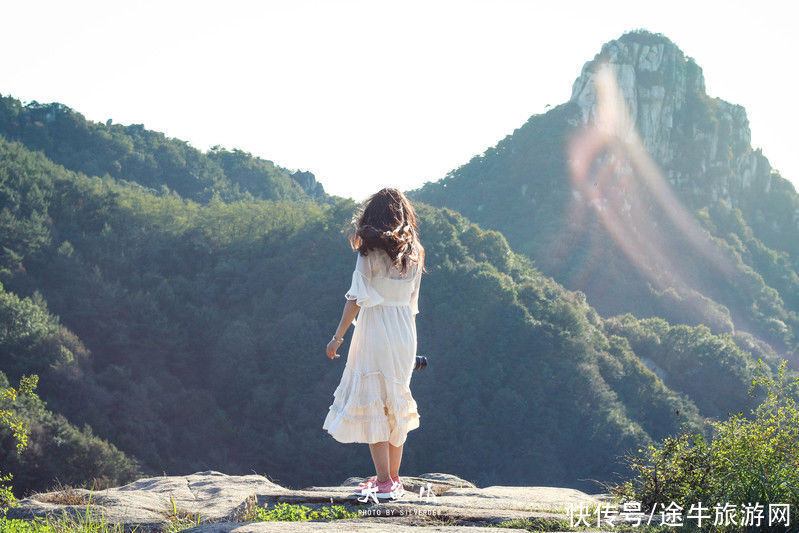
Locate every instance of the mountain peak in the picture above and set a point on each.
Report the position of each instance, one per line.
(701, 144)
(644, 62)
(661, 88)
(643, 36)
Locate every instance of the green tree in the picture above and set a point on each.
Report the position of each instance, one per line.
(747, 460)
(11, 420)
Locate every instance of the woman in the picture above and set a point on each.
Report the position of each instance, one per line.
(373, 402)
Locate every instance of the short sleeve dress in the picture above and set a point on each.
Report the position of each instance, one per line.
(373, 401)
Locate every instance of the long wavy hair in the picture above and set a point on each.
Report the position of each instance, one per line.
(387, 220)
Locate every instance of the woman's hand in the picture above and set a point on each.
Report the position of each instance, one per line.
(347, 316)
(332, 346)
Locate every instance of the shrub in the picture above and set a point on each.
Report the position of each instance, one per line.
(746, 461)
(11, 420)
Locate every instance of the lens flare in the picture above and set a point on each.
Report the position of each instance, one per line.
(614, 178)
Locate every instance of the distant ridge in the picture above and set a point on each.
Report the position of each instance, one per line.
(147, 157)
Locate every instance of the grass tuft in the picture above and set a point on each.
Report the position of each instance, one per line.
(285, 512)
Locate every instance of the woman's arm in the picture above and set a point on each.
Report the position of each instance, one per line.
(347, 316)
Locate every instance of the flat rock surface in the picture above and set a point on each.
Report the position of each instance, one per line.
(150, 502)
(216, 503)
(357, 525)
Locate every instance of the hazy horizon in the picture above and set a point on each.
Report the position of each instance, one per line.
(372, 94)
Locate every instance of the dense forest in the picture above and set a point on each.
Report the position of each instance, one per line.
(148, 157)
(175, 303)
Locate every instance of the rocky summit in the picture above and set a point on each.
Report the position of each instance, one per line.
(215, 502)
(664, 91)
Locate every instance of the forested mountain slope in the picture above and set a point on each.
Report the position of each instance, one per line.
(706, 234)
(33, 341)
(205, 324)
(148, 157)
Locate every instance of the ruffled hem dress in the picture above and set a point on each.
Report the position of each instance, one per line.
(373, 401)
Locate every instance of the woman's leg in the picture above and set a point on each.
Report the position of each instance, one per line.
(394, 459)
(381, 459)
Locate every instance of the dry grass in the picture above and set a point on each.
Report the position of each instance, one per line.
(63, 495)
(179, 519)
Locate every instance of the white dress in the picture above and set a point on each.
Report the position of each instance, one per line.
(373, 401)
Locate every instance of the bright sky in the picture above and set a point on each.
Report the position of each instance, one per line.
(368, 94)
